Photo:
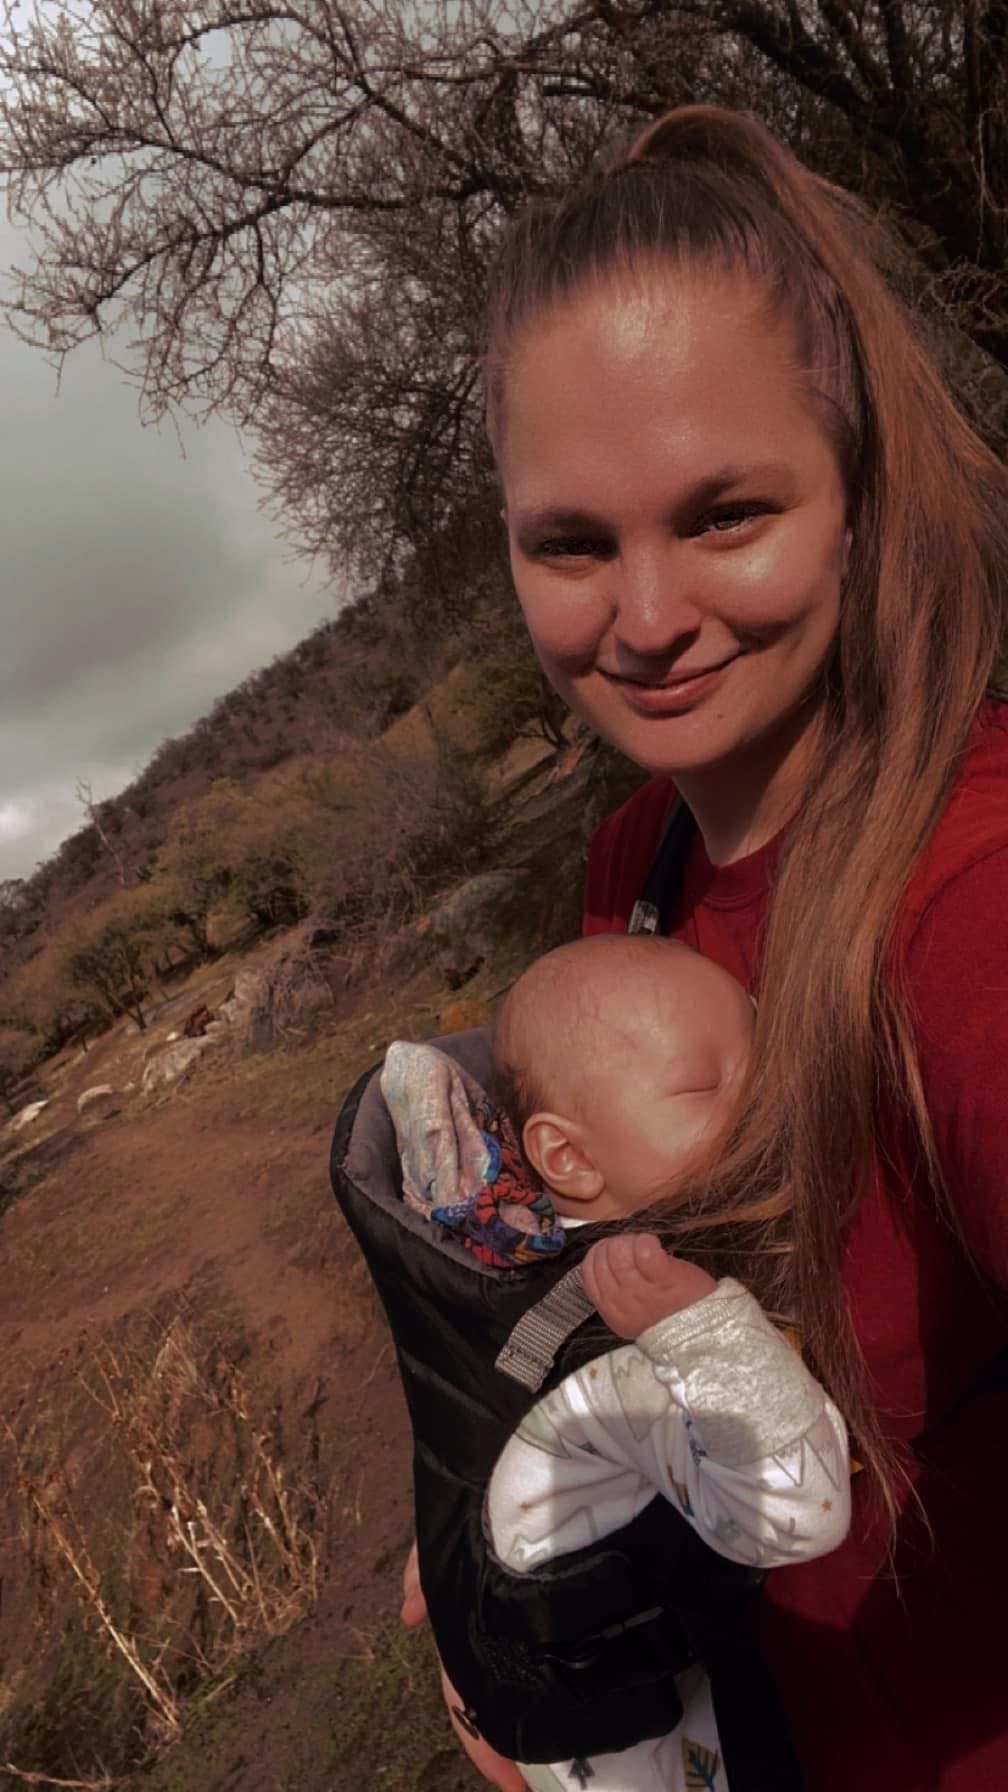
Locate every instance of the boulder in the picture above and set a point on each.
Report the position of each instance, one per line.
(251, 987)
(174, 1062)
(249, 1009)
(278, 998)
(26, 1115)
(473, 918)
(99, 1102)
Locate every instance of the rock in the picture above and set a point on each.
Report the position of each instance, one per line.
(468, 1011)
(99, 1102)
(474, 917)
(250, 987)
(174, 1062)
(277, 999)
(250, 1009)
(26, 1115)
(170, 1038)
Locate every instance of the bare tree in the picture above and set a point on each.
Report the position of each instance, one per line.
(289, 210)
(93, 811)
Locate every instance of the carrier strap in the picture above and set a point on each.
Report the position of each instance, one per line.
(652, 912)
(531, 1350)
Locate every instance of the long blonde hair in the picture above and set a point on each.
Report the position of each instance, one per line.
(921, 629)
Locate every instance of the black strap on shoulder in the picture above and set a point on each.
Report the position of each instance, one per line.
(652, 912)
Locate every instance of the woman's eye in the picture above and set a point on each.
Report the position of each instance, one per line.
(730, 516)
(573, 547)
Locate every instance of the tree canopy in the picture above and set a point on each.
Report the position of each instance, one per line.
(286, 212)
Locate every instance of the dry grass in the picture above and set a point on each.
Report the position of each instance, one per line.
(222, 1548)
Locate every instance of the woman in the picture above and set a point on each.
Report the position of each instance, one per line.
(760, 551)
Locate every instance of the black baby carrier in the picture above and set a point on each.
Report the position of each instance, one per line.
(580, 1657)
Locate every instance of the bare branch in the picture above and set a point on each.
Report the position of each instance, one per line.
(286, 212)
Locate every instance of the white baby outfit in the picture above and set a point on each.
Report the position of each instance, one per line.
(713, 1410)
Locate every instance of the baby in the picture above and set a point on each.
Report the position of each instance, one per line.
(618, 1061)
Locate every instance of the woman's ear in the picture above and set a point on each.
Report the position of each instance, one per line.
(556, 1150)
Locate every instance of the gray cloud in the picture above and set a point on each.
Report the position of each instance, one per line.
(136, 585)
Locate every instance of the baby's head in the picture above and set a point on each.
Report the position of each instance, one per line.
(617, 1058)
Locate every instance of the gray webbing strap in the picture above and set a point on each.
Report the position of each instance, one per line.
(530, 1352)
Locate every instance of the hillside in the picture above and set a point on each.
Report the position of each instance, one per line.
(191, 1352)
(380, 726)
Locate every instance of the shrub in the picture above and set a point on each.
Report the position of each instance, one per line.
(19, 1050)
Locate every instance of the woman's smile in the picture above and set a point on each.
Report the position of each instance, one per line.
(672, 694)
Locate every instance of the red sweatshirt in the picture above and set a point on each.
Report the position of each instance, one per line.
(898, 1682)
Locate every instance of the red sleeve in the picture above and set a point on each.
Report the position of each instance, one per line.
(620, 857)
(957, 964)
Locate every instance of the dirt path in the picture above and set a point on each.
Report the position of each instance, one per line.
(147, 1206)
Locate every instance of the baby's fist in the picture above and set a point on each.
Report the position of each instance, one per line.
(634, 1282)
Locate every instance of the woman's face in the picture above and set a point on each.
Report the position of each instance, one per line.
(676, 516)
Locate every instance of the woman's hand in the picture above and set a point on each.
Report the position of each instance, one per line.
(633, 1282)
(414, 1605)
(500, 1773)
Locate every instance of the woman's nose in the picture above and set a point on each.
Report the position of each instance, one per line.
(653, 608)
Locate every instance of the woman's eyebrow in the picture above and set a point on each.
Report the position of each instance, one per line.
(556, 519)
(765, 472)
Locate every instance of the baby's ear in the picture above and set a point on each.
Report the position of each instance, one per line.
(555, 1149)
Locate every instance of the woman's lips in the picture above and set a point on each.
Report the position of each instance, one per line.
(678, 691)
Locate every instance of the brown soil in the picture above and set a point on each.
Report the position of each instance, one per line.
(215, 1203)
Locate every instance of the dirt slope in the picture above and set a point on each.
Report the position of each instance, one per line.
(195, 1377)
(215, 1205)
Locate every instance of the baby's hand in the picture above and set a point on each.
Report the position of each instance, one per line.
(634, 1282)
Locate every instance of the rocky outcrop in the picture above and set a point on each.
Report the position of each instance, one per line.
(249, 1009)
(26, 1116)
(172, 1063)
(98, 1103)
(278, 999)
(470, 922)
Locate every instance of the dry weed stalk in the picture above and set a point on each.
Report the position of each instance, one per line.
(66, 1534)
(255, 1557)
(244, 1535)
(44, 1779)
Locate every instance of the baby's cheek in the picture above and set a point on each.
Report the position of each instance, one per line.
(701, 1134)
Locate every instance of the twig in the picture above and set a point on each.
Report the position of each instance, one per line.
(78, 1560)
(375, 1366)
(44, 1779)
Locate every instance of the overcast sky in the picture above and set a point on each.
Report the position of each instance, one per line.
(137, 585)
